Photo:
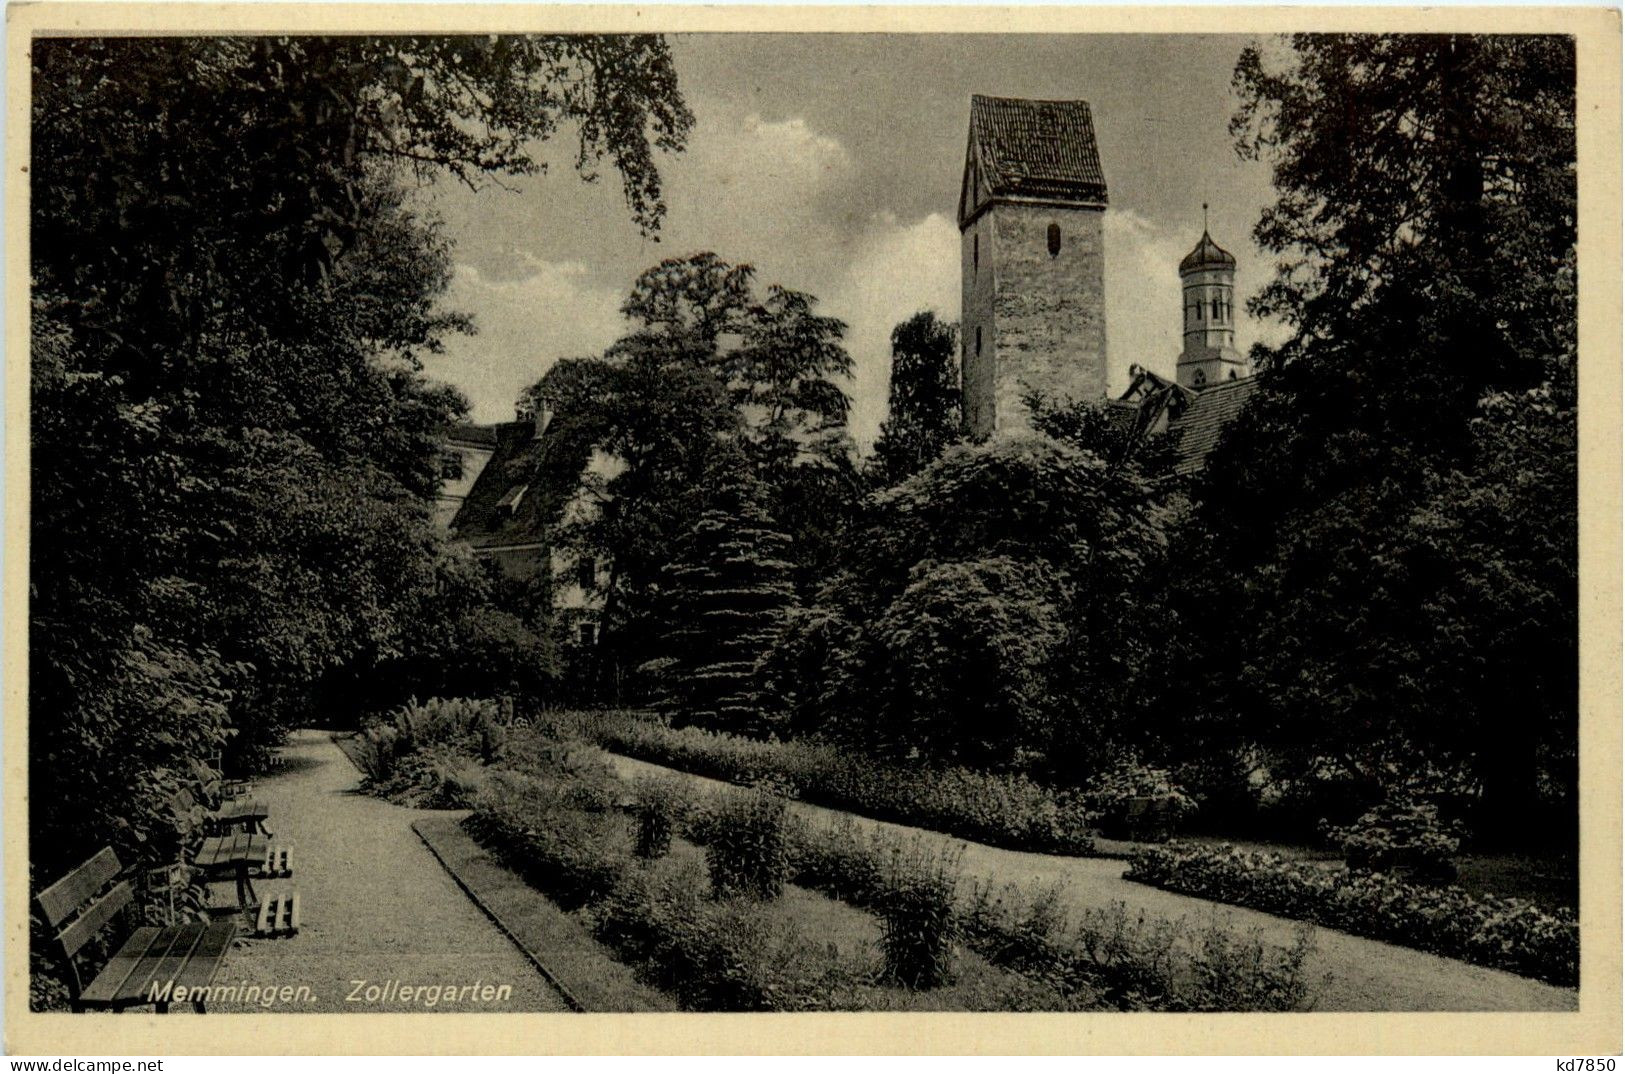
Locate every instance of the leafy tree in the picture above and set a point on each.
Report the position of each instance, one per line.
(1049, 547)
(1441, 165)
(664, 420)
(975, 649)
(923, 415)
(708, 372)
(1332, 587)
(233, 447)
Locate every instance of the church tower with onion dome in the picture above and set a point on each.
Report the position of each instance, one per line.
(1208, 276)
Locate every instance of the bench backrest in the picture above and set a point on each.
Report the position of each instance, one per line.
(77, 908)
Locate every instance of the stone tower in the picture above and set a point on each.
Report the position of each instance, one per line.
(1032, 260)
(1208, 279)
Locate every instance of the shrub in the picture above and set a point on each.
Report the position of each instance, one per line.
(1002, 810)
(842, 861)
(746, 850)
(1403, 835)
(573, 855)
(917, 913)
(1503, 933)
(376, 751)
(714, 955)
(658, 807)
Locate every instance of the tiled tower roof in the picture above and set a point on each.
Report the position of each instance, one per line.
(1040, 149)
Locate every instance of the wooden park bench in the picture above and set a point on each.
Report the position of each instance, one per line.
(1148, 819)
(216, 784)
(243, 857)
(151, 964)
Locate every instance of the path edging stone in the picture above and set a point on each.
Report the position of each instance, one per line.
(582, 970)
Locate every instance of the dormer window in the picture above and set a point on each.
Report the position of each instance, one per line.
(511, 499)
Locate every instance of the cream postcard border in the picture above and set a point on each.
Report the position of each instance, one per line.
(1594, 1029)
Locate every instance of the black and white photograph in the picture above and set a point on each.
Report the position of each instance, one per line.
(702, 522)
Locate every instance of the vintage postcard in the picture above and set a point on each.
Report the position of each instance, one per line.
(563, 529)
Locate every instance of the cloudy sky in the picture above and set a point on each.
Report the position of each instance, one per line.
(832, 164)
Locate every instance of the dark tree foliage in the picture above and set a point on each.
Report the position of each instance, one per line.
(923, 415)
(232, 445)
(986, 613)
(1339, 599)
(1440, 165)
(664, 419)
(710, 371)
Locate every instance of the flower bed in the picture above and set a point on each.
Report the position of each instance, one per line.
(1105, 959)
(798, 952)
(1001, 810)
(1507, 934)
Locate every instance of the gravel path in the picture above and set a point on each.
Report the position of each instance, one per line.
(1358, 974)
(376, 907)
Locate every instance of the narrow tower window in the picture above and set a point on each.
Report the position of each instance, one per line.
(978, 341)
(1215, 309)
(975, 253)
(1054, 239)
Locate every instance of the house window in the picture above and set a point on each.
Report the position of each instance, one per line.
(586, 572)
(1054, 239)
(1232, 374)
(587, 633)
(451, 465)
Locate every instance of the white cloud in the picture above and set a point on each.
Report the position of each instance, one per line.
(754, 190)
(896, 270)
(551, 310)
(1142, 295)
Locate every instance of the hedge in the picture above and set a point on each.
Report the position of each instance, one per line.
(1502, 933)
(1001, 810)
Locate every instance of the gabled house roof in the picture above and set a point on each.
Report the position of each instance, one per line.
(1030, 149)
(1196, 418)
(523, 489)
(474, 435)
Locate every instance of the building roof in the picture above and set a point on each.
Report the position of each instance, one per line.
(523, 489)
(1197, 430)
(1043, 149)
(1207, 254)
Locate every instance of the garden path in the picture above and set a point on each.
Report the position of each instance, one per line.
(1355, 974)
(376, 905)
